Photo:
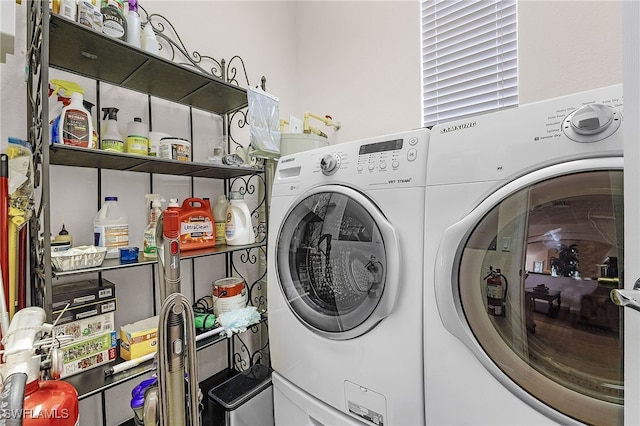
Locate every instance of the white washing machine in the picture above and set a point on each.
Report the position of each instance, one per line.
(524, 241)
(345, 282)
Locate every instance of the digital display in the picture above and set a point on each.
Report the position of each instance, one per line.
(381, 146)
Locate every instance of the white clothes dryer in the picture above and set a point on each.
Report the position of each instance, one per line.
(345, 282)
(524, 241)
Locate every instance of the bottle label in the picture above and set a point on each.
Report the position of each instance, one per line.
(111, 236)
(230, 226)
(75, 128)
(220, 232)
(149, 245)
(113, 145)
(137, 145)
(113, 23)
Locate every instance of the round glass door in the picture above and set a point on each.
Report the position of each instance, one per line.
(534, 279)
(332, 260)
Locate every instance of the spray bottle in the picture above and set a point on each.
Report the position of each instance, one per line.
(94, 135)
(59, 97)
(74, 125)
(150, 247)
(112, 140)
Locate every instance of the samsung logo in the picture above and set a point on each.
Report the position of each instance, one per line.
(287, 160)
(469, 125)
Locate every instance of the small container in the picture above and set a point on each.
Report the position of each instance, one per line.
(137, 138)
(229, 294)
(154, 143)
(129, 254)
(175, 149)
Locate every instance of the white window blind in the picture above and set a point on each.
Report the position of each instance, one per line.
(469, 57)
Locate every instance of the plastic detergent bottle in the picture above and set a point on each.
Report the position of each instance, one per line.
(133, 24)
(150, 248)
(137, 138)
(114, 23)
(220, 218)
(74, 127)
(111, 138)
(110, 227)
(238, 227)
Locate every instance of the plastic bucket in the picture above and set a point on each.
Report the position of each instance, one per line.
(175, 149)
(229, 294)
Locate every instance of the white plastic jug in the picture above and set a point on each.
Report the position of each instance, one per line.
(238, 227)
(110, 227)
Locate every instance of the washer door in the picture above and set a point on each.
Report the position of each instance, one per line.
(524, 282)
(338, 261)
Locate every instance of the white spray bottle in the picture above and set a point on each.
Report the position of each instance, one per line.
(150, 247)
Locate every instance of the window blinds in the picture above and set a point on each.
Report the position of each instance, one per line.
(469, 57)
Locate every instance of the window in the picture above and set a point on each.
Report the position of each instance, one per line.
(469, 58)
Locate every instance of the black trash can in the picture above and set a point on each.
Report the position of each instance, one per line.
(244, 400)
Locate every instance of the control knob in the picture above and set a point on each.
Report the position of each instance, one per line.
(591, 123)
(330, 164)
(591, 119)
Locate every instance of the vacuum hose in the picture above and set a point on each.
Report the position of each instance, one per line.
(12, 399)
(176, 339)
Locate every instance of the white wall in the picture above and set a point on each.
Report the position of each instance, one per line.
(568, 46)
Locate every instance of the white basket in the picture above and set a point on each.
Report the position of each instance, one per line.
(78, 258)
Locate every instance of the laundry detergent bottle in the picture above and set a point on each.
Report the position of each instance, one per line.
(238, 227)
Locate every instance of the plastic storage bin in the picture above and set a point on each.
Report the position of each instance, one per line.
(244, 400)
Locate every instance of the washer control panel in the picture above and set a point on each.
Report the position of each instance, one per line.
(388, 154)
(389, 161)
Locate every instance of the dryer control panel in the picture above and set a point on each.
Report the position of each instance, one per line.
(389, 161)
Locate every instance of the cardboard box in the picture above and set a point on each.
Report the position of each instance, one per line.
(85, 311)
(83, 348)
(139, 338)
(87, 327)
(88, 362)
(81, 293)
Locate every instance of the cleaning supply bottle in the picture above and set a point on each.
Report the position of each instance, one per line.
(94, 135)
(110, 227)
(114, 23)
(238, 226)
(133, 24)
(111, 138)
(64, 236)
(197, 228)
(149, 42)
(59, 97)
(220, 218)
(150, 248)
(137, 138)
(74, 127)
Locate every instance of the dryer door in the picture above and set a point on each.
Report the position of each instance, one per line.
(338, 262)
(524, 282)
